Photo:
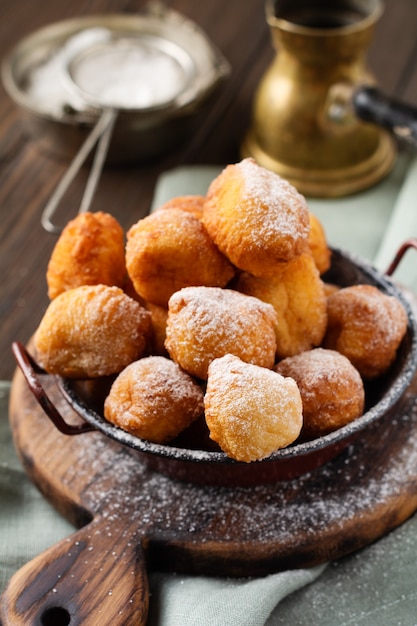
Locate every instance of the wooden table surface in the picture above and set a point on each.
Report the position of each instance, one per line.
(28, 177)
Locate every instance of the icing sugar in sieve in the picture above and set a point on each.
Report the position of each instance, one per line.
(126, 85)
(130, 73)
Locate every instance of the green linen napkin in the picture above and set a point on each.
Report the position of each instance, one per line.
(401, 226)
(193, 601)
(376, 586)
(28, 524)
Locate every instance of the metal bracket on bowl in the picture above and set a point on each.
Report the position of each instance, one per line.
(409, 243)
(31, 370)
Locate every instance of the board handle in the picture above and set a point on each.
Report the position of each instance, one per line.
(31, 371)
(93, 577)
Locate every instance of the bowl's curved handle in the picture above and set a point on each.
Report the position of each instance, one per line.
(409, 243)
(31, 370)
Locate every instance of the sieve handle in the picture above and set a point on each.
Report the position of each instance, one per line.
(100, 135)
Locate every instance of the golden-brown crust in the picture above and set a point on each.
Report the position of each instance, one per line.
(367, 326)
(154, 399)
(331, 390)
(297, 294)
(251, 411)
(254, 227)
(256, 218)
(159, 317)
(330, 288)
(89, 251)
(318, 245)
(205, 323)
(169, 250)
(91, 331)
(191, 203)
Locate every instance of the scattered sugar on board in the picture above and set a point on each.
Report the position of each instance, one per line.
(157, 503)
(122, 486)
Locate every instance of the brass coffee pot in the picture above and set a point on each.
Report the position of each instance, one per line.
(318, 119)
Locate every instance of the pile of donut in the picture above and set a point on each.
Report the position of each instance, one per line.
(214, 308)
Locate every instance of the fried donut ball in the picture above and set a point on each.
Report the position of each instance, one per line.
(205, 323)
(89, 251)
(330, 288)
(331, 390)
(251, 411)
(256, 218)
(318, 244)
(367, 326)
(91, 331)
(169, 250)
(154, 399)
(192, 204)
(159, 316)
(297, 294)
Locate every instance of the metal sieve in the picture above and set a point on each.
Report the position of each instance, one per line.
(65, 102)
(139, 74)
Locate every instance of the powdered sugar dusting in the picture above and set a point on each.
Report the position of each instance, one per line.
(90, 331)
(248, 423)
(366, 306)
(154, 399)
(367, 326)
(208, 322)
(278, 203)
(319, 367)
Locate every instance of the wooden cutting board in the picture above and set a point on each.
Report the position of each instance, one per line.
(132, 519)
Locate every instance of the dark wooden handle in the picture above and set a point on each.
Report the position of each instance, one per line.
(96, 576)
(400, 118)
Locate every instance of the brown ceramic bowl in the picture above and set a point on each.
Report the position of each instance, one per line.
(209, 466)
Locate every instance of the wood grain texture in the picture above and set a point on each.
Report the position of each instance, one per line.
(132, 519)
(27, 177)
